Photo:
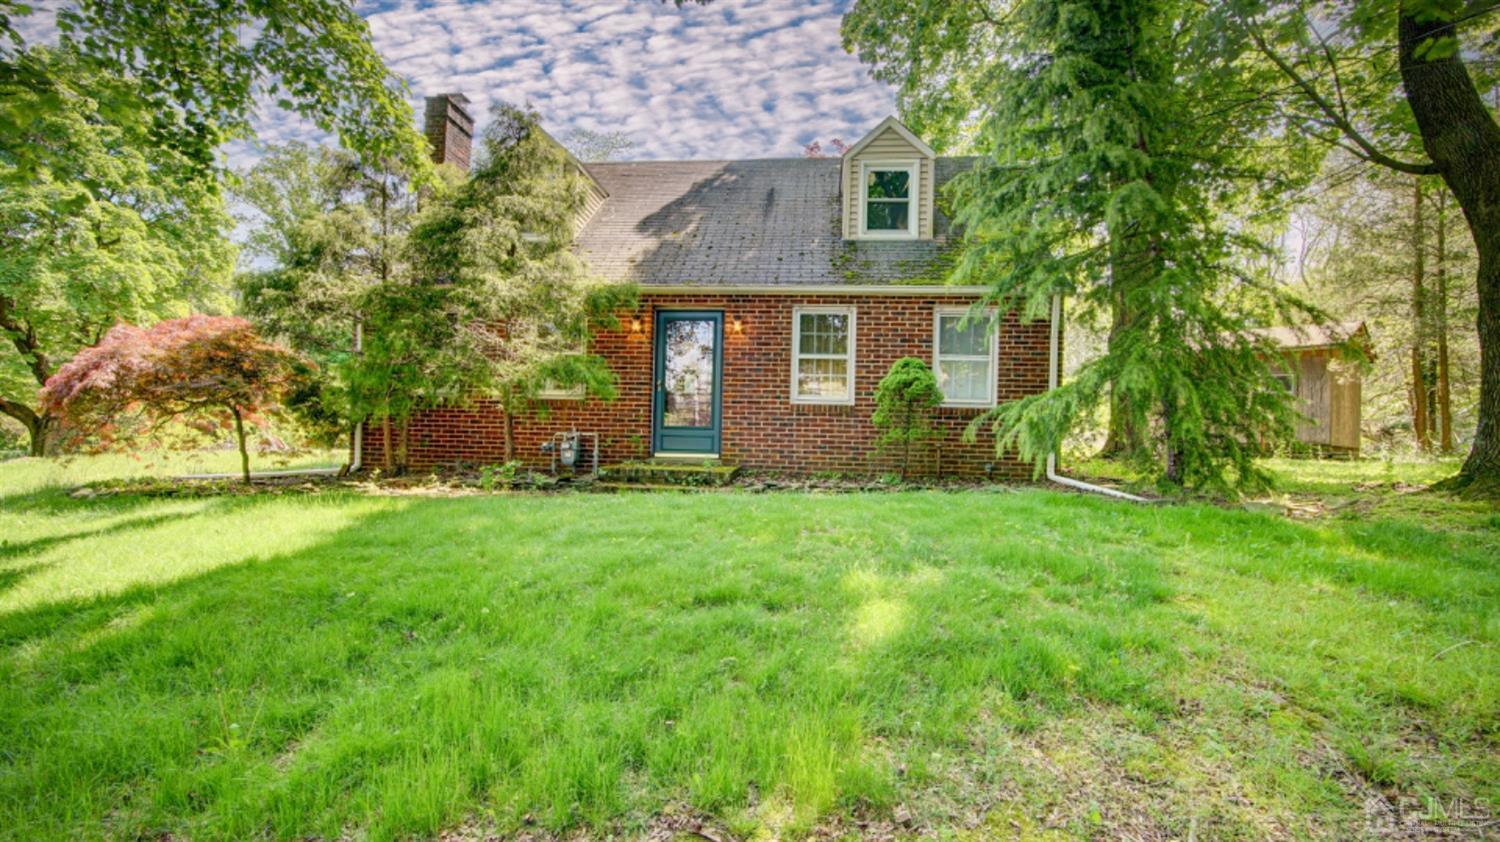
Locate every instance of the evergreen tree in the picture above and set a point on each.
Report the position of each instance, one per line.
(523, 306)
(1112, 173)
(323, 231)
(904, 400)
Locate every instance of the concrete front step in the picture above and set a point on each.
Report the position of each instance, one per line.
(672, 472)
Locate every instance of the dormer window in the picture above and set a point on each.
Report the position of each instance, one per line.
(885, 185)
(888, 207)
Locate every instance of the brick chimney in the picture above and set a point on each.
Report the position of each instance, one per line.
(449, 129)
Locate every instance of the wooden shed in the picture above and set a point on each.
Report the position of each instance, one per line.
(1321, 365)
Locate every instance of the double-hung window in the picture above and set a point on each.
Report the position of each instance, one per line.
(964, 356)
(888, 200)
(823, 355)
(551, 391)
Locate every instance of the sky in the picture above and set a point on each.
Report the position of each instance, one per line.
(734, 79)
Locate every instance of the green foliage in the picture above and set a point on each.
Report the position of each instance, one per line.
(324, 232)
(522, 304)
(500, 476)
(201, 67)
(116, 227)
(904, 400)
(214, 372)
(1111, 172)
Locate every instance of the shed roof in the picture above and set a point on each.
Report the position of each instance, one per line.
(1309, 337)
(747, 223)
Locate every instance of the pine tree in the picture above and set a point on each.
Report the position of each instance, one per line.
(524, 306)
(1114, 174)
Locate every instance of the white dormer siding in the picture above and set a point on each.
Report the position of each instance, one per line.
(889, 147)
(591, 202)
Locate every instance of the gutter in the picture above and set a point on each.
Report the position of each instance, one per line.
(1054, 366)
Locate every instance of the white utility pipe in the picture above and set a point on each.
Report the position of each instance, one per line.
(356, 460)
(1054, 367)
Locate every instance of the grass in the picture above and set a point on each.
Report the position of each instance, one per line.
(1028, 664)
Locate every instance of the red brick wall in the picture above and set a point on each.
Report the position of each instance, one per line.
(761, 427)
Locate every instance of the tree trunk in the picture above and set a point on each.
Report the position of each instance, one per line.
(510, 425)
(23, 336)
(401, 447)
(41, 436)
(1176, 469)
(1419, 423)
(1129, 262)
(1440, 305)
(1463, 140)
(385, 443)
(1124, 437)
(239, 434)
(38, 425)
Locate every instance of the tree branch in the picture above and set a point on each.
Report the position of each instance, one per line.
(1368, 150)
(19, 411)
(23, 336)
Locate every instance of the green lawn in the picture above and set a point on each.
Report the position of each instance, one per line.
(1019, 664)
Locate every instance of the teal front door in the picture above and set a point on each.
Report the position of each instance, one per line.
(689, 385)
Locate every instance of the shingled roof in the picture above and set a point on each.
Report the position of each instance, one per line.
(745, 223)
(1309, 337)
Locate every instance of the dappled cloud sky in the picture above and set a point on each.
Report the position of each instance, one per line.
(734, 79)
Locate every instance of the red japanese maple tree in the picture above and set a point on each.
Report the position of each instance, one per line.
(214, 372)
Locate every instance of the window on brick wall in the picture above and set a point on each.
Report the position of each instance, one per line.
(964, 357)
(823, 355)
(552, 391)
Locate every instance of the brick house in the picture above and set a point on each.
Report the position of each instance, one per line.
(774, 296)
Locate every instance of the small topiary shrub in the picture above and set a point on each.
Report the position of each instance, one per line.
(904, 401)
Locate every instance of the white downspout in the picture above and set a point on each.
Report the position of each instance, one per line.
(357, 459)
(1054, 366)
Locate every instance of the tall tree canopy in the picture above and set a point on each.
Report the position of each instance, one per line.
(500, 246)
(323, 230)
(110, 179)
(1112, 173)
(116, 227)
(1339, 65)
(201, 67)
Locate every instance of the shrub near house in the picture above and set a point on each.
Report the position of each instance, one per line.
(774, 296)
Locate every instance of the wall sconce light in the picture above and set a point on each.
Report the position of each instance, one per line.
(635, 324)
(736, 326)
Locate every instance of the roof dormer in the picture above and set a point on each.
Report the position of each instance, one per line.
(887, 185)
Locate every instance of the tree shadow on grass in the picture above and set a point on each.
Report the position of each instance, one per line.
(15, 549)
(586, 658)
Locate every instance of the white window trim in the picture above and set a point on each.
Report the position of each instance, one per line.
(550, 392)
(994, 356)
(914, 199)
(797, 314)
(553, 392)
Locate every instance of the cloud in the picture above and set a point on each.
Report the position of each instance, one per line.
(734, 79)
